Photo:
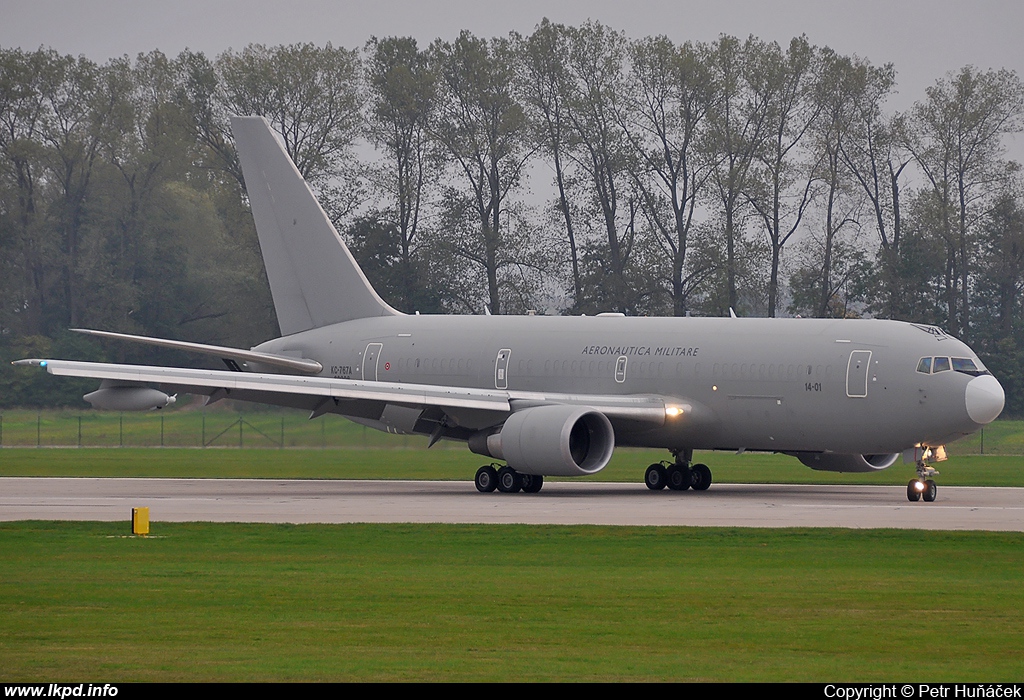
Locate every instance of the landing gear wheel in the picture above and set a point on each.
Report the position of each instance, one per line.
(930, 491)
(701, 477)
(679, 477)
(914, 488)
(509, 480)
(486, 479)
(532, 483)
(655, 477)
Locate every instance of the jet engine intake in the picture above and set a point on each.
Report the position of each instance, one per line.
(557, 440)
(828, 462)
(127, 397)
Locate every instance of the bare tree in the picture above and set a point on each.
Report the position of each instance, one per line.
(738, 126)
(402, 91)
(482, 126)
(671, 93)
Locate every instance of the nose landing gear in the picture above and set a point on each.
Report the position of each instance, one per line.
(923, 487)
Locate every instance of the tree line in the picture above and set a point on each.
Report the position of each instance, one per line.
(571, 170)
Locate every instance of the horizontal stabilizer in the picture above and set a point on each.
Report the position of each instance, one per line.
(295, 364)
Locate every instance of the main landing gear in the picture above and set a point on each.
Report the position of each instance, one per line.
(506, 480)
(678, 475)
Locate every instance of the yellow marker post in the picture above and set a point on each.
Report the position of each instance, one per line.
(140, 521)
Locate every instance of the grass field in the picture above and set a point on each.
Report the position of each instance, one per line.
(82, 602)
(455, 464)
(79, 601)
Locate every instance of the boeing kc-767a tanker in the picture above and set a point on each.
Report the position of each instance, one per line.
(553, 396)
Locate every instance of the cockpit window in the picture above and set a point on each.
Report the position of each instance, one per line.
(969, 366)
(966, 365)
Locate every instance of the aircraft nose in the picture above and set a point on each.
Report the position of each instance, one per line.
(984, 398)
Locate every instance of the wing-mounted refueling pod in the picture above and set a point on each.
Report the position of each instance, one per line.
(128, 396)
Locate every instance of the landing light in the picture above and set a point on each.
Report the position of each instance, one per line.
(919, 485)
(673, 411)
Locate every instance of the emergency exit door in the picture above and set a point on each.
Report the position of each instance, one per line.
(857, 374)
(501, 369)
(370, 358)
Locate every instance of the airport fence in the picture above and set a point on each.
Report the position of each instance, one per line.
(278, 429)
(190, 428)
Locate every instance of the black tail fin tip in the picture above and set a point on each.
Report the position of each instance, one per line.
(314, 279)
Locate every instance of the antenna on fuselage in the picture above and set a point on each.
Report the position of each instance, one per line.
(732, 314)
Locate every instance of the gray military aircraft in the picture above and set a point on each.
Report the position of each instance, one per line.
(553, 396)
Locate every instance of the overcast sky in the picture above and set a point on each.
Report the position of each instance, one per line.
(924, 39)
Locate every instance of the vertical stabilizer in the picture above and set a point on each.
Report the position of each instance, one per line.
(314, 279)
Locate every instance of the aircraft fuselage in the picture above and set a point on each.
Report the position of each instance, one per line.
(845, 386)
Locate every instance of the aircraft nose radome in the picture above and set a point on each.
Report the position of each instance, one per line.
(984, 398)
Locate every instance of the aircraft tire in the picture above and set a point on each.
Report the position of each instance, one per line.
(655, 477)
(486, 479)
(678, 477)
(532, 483)
(930, 491)
(701, 477)
(509, 480)
(913, 495)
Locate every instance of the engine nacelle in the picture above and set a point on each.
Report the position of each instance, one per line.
(128, 397)
(551, 441)
(828, 462)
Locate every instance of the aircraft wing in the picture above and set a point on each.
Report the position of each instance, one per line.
(226, 384)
